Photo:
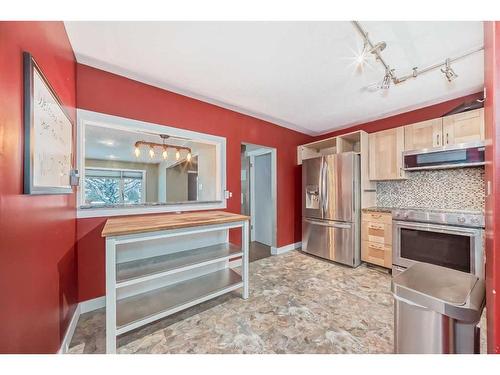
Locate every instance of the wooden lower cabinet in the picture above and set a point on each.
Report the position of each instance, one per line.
(376, 238)
(375, 253)
(376, 232)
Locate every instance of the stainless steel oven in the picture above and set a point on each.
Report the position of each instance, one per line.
(452, 239)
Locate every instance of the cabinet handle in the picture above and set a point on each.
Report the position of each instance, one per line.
(437, 139)
(376, 247)
(447, 138)
(375, 226)
(376, 216)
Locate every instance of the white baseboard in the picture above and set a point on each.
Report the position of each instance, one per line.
(81, 308)
(92, 304)
(70, 331)
(286, 248)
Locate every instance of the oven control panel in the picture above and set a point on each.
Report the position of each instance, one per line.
(449, 217)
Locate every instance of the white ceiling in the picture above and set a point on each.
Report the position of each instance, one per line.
(300, 75)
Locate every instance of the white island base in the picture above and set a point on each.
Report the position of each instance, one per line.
(157, 265)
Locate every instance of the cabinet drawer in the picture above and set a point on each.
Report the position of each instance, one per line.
(377, 217)
(375, 253)
(376, 232)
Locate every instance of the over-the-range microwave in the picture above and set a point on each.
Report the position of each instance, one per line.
(456, 156)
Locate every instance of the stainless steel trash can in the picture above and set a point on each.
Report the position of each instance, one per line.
(437, 310)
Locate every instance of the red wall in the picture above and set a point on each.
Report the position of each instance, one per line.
(37, 256)
(492, 133)
(104, 92)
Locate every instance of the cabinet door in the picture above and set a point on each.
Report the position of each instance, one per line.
(386, 159)
(463, 127)
(425, 134)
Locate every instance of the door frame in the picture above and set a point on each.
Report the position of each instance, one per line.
(252, 154)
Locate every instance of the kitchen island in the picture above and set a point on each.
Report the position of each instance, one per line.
(157, 265)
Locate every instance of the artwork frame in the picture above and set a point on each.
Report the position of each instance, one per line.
(48, 135)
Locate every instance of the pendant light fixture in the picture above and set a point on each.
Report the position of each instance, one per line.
(163, 148)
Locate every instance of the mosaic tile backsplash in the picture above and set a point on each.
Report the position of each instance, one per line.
(458, 189)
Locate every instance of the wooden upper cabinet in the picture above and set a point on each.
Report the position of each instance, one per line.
(463, 127)
(386, 159)
(425, 134)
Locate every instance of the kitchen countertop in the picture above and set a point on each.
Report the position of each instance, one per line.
(117, 226)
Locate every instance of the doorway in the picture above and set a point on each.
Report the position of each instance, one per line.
(258, 197)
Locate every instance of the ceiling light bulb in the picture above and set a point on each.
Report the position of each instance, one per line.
(165, 154)
(177, 155)
(151, 153)
(188, 157)
(137, 151)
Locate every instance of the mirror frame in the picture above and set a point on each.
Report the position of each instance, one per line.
(85, 118)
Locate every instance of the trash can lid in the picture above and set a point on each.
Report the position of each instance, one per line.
(445, 284)
(456, 294)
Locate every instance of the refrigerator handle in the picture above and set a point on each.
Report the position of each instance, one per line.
(329, 224)
(324, 193)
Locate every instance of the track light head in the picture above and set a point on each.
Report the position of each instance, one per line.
(386, 81)
(448, 72)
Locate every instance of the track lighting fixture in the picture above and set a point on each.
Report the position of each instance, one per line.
(151, 152)
(188, 157)
(165, 153)
(177, 155)
(137, 151)
(449, 73)
(390, 74)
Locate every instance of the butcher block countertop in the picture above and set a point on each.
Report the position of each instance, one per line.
(118, 226)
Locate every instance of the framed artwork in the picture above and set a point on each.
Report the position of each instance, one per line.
(48, 135)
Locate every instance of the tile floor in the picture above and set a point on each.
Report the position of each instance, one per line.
(258, 251)
(298, 304)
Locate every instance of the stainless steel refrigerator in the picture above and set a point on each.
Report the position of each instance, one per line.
(331, 207)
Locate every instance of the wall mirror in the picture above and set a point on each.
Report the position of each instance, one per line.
(149, 166)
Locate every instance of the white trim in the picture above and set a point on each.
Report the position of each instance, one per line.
(70, 331)
(81, 308)
(121, 123)
(119, 211)
(235, 263)
(92, 304)
(286, 248)
(274, 170)
(252, 195)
